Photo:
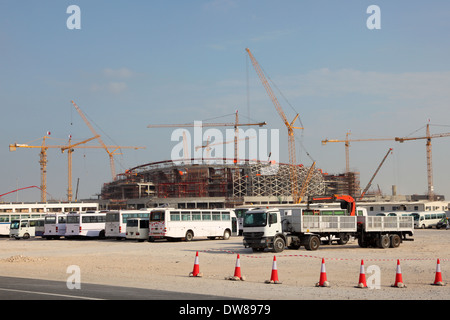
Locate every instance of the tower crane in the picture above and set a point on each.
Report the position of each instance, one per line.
(347, 147)
(43, 160)
(114, 148)
(289, 125)
(428, 137)
(236, 126)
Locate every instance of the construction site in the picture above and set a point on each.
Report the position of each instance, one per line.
(212, 183)
(204, 185)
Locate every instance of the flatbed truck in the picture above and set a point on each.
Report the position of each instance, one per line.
(275, 229)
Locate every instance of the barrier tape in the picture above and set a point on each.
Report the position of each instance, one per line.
(318, 257)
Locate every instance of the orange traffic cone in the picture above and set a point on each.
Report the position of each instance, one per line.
(398, 277)
(362, 276)
(438, 278)
(196, 272)
(274, 275)
(323, 276)
(237, 271)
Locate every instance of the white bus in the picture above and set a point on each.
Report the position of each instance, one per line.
(55, 225)
(170, 223)
(7, 217)
(85, 224)
(116, 221)
(427, 219)
(137, 229)
(26, 228)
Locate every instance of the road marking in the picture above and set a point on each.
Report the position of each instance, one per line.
(51, 294)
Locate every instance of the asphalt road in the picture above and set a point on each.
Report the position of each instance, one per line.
(33, 289)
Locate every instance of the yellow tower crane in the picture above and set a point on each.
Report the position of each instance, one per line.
(289, 125)
(347, 147)
(428, 137)
(114, 148)
(43, 160)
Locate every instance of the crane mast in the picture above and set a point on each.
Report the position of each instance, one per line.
(289, 125)
(110, 153)
(427, 137)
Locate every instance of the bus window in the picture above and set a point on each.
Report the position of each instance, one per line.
(174, 216)
(144, 224)
(225, 216)
(157, 216)
(196, 215)
(206, 216)
(216, 216)
(186, 216)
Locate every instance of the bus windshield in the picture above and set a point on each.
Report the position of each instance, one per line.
(15, 224)
(157, 216)
(255, 219)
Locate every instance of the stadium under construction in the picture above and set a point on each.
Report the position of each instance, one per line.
(213, 183)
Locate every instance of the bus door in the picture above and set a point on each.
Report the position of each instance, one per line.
(234, 226)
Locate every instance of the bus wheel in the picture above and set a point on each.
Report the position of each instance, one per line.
(226, 235)
(189, 236)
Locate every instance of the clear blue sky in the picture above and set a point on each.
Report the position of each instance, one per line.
(135, 63)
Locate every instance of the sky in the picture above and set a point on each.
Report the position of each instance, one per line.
(136, 63)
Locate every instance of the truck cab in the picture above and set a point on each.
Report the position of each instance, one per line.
(262, 228)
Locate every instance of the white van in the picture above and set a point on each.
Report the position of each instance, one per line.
(26, 228)
(137, 228)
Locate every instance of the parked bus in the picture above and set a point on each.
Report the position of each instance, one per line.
(116, 221)
(7, 217)
(26, 228)
(137, 229)
(85, 224)
(427, 219)
(55, 225)
(170, 223)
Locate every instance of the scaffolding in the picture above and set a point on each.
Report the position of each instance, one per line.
(167, 179)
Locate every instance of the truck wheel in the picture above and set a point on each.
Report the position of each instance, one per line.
(313, 243)
(395, 241)
(26, 236)
(343, 238)
(362, 243)
(384, 241)
(278, 245)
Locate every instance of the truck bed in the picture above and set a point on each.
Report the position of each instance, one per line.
(379, 223)
(321, 224)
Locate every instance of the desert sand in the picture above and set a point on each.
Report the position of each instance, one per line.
(166, 266)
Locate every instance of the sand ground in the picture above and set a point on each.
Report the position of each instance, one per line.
(166, 266)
